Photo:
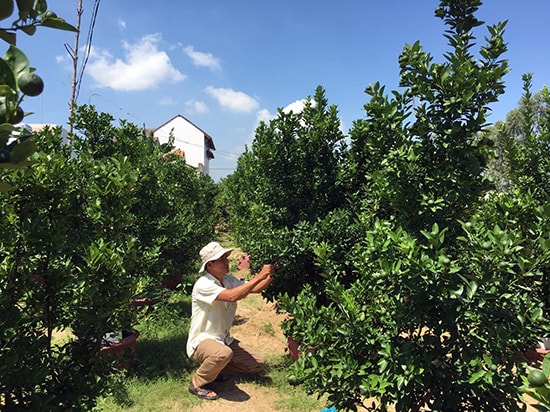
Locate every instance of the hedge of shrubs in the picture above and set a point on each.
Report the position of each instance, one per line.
(88, 229)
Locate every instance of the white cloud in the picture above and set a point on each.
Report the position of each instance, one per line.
(168, 101)
(121, 24)
(233, 100)
(202, 59)
(296, 107)
(264, 116)
(144, 66)
(196, 106)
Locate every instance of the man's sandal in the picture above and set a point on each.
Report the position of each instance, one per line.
(203, 393)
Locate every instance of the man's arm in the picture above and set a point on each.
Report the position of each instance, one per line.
(260, 287)
(255, 285)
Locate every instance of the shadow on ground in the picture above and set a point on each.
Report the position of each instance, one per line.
(160, 350)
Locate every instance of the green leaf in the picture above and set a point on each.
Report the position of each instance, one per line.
(471, 289)
(60, 24)
(5, 186)
(7, 36)
(21, 165)
(314, 362)
(455, 269)
(23, 150)
(537, 314)
(382, 365)
(6, 128)
(24, 6)
(6, 73)
(546, 365)
(41, 6)
(17, 60)
(476, 376)
(457, 293)
(445, 74)
(8, 92)
(29, 30)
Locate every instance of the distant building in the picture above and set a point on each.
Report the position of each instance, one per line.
(196, 144)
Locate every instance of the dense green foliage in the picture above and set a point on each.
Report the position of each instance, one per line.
(286, 182)
(418, 284)
(87, 229)
(522, 144)
(173, 213)
(525, 137)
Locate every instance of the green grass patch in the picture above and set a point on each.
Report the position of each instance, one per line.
(268, 328)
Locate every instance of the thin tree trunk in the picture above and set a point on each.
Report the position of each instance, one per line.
(74, 56)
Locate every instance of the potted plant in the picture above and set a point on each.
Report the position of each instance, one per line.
(120, 346)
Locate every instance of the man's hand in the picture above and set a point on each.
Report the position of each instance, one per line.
(263, 279)
(266, 272)
(256, 285)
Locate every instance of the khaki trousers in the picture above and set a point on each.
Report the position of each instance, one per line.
(214, 357)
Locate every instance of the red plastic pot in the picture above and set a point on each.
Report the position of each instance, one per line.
(122, 349)
(144, 305)
(293, 349)
(536, 355)
(172, 281)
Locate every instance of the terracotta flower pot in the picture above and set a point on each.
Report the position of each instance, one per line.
(536, 355)
(144, 305)
(37, 279)
(122, 349)
(293, 349)
(172, 281)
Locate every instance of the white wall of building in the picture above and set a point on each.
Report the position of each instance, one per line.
(188, 138)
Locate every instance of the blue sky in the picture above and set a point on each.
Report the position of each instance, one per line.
(226, 65)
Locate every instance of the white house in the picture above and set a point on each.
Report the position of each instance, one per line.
(192, 140)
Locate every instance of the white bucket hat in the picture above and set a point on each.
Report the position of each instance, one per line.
(212, 251)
